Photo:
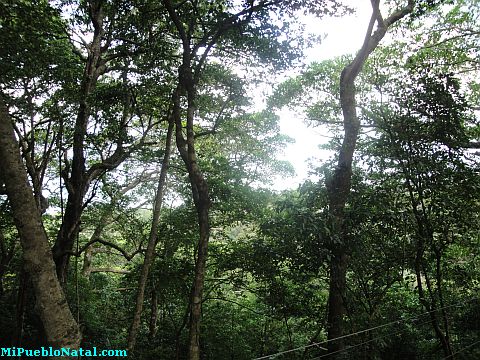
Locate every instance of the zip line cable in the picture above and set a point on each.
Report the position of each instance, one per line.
(363, 331)
(462, 350)
(366, 342)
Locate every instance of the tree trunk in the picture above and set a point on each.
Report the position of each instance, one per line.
(338, 186)
(87, 261)
(77, 183)
(448, 351)
(152, 325)
(20, 308)
(201, 198)
(336, 299)
(152, 241)
(178, 334)
(430, 306)
(424, 234)
(198, 283)
(59, 324)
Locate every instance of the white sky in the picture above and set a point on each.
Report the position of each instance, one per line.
(344, 36)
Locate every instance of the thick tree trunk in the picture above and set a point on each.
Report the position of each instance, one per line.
(59, 324)
(336, 300)
(338, 186)
(152, 241)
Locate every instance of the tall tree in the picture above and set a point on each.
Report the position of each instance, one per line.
(426, 135)
(200, 28)
(152, 239)
(339, 184)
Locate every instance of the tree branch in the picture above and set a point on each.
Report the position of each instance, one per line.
(125, 254)
(110, 270)
(217, 121)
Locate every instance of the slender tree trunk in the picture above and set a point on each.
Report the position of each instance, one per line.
(152, 326)
(178, 333)
(448, 346)
(59, 324)
(152, 241)
(87, 261)
(424, 234)
(338, 186)
(289, 332)
(20, 309)
(198, 284)
(430, 305)
(188, 78)
(336, 308)
(442, 337)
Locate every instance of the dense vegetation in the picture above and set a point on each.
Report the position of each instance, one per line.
(137, 206)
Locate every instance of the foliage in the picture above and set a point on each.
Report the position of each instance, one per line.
(412, 213)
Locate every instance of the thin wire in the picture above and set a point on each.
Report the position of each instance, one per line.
(363, 331)
(461, 350)
(366, 342)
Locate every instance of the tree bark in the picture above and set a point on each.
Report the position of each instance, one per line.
(447, 346)
(59, 324)
(152, 241)
(187, 81)
(201, 200)
(198, 284)
(338, 186)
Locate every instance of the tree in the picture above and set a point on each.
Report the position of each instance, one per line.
(60, 326)
(200, 35)
(339, 184)
(386, 238)
(102, 57)
(152, 239)
(426, 140)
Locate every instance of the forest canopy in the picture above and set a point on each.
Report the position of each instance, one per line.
(140, 143)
